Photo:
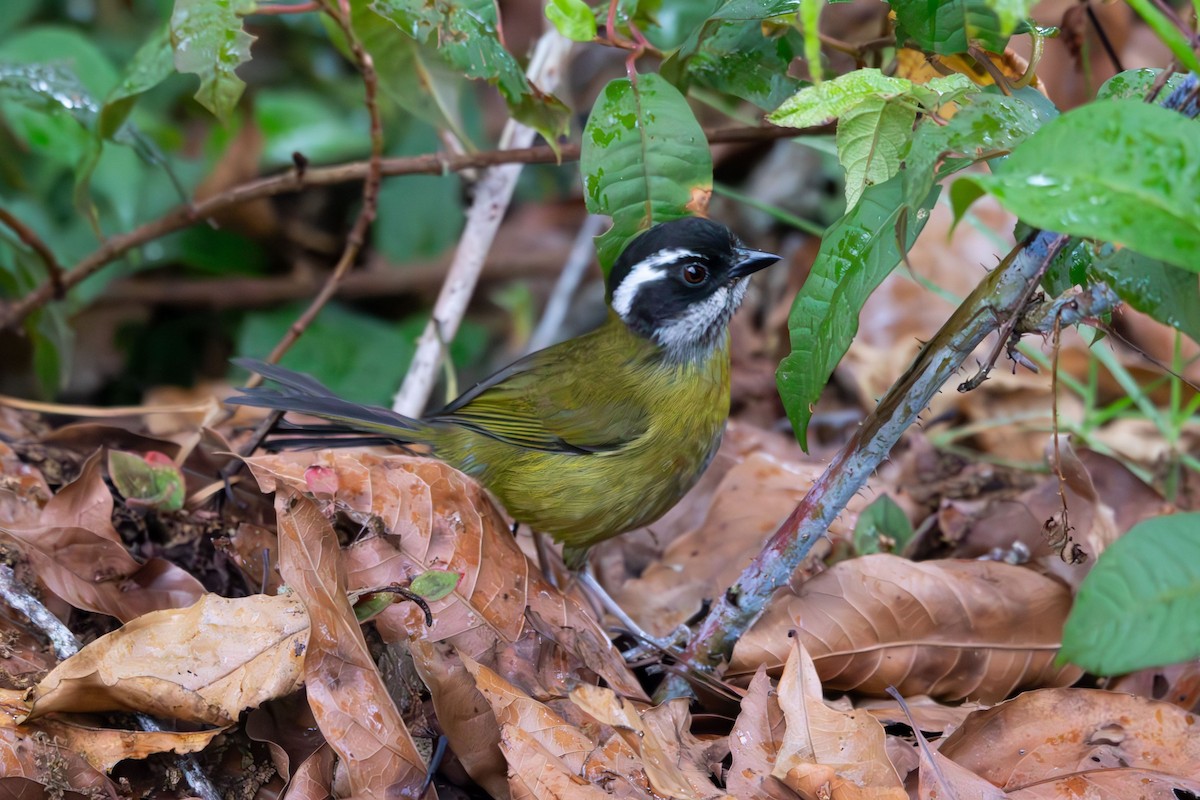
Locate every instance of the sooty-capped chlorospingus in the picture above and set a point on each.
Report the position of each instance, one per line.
(599, 434)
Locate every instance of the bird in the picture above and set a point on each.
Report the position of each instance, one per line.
(597, 435)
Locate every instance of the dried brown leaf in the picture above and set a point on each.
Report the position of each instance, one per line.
(825, 752)
(755, 741)
(104, 748)
(538, 774)
(205, 663)
(23, 489)
(1087, 734)
(950, 629)
(80, 557)
(38, 758)
(347, 695)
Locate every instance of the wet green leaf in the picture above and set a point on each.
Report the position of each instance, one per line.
(857, 253)
(209, 41)
(949, 26)
(872, 138)
(1169, 294)
(1120, 171)
(1134, 84)
(816, 105)
(644, 160)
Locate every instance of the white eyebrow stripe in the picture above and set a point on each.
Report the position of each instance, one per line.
(646, 270)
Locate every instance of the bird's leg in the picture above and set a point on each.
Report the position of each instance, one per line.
(667, 644)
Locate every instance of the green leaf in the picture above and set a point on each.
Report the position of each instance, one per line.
(303, 121)
(948, 27)
(1134, 84)
(882, 527)
(66, 48)
(573, 18)
(1136, 187)
(816, 105)
(644, 160)
(857, 253)
(1140, 605)
(987, 124)
(434, 584)
(49, 89)
(872, 138)
(1169, 294)
(209, 41)
(424, 212)
(1011, 13)
(150, 66)
(412, 75)
(744, 50)
(152, 481)
(465, 33)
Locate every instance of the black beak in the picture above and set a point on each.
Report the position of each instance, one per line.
(750, 262)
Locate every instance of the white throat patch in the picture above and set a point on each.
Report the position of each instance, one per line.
(643, 272)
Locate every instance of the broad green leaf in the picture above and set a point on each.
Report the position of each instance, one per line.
(1140, 605)
(882, 527)
(988, 124)
(1117, 170)
(1010, 12)
(49, 89)
(1134, 84)
(210, 42)
(816, 105)
(152, 481)
(15, 13)
(573, 18)
(303, 121)
(644, 160)
(424, 212)
(465, 33)
(66, 48)
(412, 75)
(743, 50)
(150, 66)
(872, 138)
(857, 253)
(1167, 293)
(947, 27)
(434, 584)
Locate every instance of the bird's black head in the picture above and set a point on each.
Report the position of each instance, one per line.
(680, 282)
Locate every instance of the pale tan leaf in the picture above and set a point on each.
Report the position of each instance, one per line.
(754, 743)
(80, 557)
(38, 758)
(950, 629)
(313, 777)
(1085, 733)
(538, 774)
(922, 710)
(669, 754)
(825, 752)
(349, 700)
(205, 663)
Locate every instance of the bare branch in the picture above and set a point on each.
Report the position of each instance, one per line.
(26, 235)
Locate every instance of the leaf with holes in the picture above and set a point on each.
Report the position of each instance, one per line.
(645, 160)
(209, 41)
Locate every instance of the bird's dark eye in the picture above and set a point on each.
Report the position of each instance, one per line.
(695, 274)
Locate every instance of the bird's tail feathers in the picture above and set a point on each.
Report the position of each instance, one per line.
(305, 395)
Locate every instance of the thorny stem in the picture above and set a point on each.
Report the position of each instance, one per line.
(293, 180)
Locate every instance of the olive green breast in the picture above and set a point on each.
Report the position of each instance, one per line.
(634, 432)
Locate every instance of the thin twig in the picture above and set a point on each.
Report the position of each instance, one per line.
(25, 234)
(184, 216)
(370, 192)
(493, 194)
(19, 598)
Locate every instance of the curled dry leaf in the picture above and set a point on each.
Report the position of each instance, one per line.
(825, 752)
(348, 697)
(205, 663)
(754, 743)
(104, 748)
(429, 516)
(1073, 739)
(950, 629)
(56, 767)
(80, 556)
